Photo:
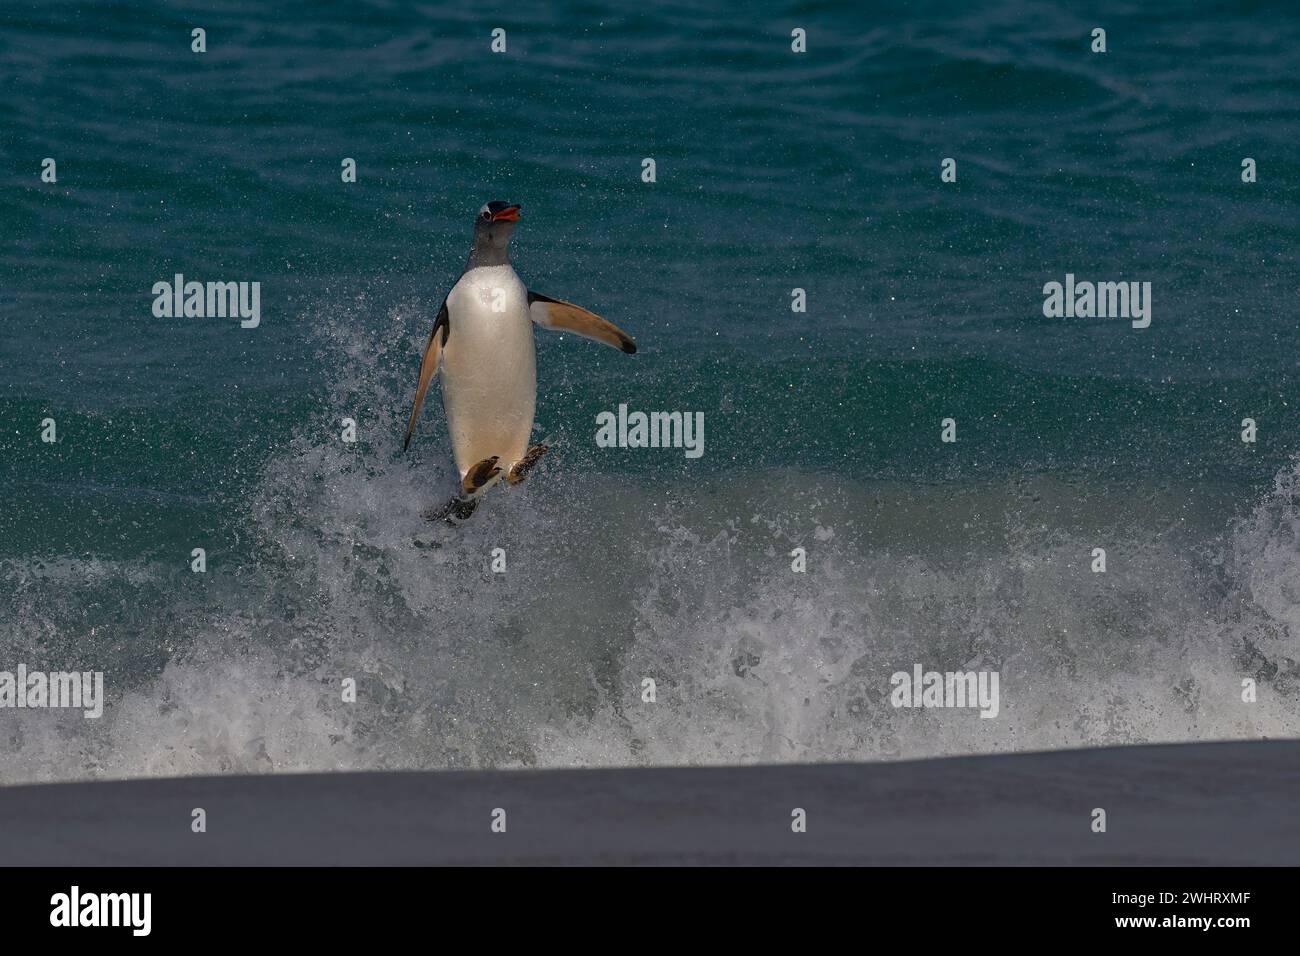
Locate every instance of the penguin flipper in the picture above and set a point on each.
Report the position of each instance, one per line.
(428, 365)
(556, 314)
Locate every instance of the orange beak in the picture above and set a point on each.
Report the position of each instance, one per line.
(509, 214)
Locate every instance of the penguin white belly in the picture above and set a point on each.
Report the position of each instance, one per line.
(489, 368)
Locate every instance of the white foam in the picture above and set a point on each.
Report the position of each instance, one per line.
(692, 586)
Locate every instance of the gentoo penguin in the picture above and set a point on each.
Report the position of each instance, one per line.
(482, 344)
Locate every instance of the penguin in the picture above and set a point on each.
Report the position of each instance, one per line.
(482, 348)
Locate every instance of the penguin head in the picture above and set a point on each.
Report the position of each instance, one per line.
(494, 223)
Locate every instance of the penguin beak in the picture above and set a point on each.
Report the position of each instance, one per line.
(509, 214)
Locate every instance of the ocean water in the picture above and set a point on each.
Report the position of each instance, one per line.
(775, 171)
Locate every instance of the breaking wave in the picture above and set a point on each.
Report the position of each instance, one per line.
(612, 580)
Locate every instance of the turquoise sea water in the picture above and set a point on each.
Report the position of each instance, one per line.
(775, 171)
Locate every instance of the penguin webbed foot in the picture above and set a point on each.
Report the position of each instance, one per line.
(476, 480)
(526, 464)
(458, 508)
(478, 476)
